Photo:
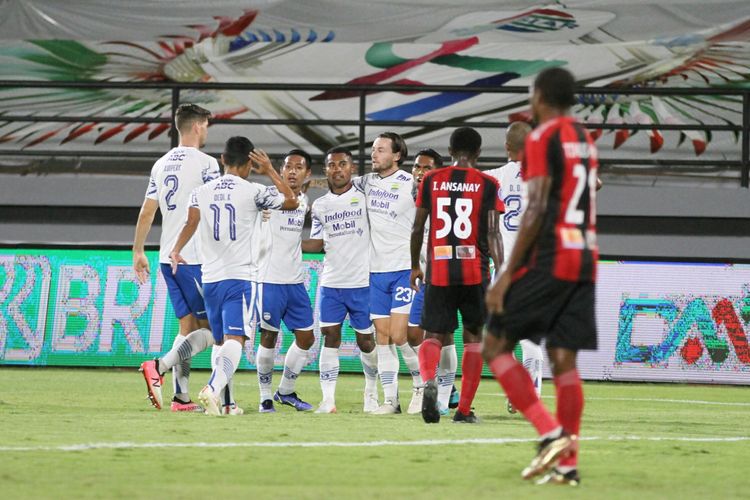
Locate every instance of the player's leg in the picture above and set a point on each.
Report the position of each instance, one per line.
(270, 304)
(574, 330)
(237, 305)
(530, 306)
(448, 396)
(358, 308)
(297, 317)
(184, 292)
(332, 314)
(402, 297)
(380, 312)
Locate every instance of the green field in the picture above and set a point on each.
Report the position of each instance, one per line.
(644, 440)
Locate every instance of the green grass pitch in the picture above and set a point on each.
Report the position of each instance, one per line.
(641, 441)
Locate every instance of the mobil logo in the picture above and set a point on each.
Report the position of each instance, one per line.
(690, 327)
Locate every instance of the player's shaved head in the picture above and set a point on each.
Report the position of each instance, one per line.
(515, 136)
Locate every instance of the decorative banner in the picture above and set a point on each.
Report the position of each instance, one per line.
(674, 322)
(378, 42)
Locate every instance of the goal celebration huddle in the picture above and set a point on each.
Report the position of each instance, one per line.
(408, 248)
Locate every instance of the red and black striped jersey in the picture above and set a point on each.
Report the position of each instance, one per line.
(459, 201)
(566, 245)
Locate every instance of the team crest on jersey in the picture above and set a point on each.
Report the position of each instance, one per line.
(354, 202)
(267, 316)
(394, 187)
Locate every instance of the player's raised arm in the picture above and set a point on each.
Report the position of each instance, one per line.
(263, 166)
(417, 237)
(188, 230)
(142, 228)
(315, 244)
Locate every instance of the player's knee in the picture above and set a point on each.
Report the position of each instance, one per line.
(304, 339)
(268, 339)
(365, 343)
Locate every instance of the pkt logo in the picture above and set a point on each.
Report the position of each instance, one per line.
(693, 330)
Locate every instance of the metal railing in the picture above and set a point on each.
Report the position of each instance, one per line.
(362, 122)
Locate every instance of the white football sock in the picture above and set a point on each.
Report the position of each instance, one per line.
(295, 360)
(264, 366)
(329, 372)
(412, 362)
(388, 369)
(183, 350)
(227, 361)
(533, 361)
(180, 372)
(370, 369)
(446, 374)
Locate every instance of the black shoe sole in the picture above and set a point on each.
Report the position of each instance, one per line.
(430, 413)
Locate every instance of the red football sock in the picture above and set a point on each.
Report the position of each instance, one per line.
(519, 388)
(471, 368)
(569, 409)
(429, 357)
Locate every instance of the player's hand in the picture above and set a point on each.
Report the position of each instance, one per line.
(261, 161)
(266, 215)
(495, 298)
(141, 267)
(416, 279)
(176, 259)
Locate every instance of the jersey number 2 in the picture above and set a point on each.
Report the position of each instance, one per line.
(462, 225)
(172, 182)
(574, 214)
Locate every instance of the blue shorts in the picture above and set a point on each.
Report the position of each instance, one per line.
(390, 293)
(287, 303)
(415, 315)
(231, 307)
(185, 289)
(335, 303)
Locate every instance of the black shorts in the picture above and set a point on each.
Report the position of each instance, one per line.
(442, 304)
(539, 306)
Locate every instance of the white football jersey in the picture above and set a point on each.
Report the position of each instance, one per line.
(280, 257)
(513, 194)
(340, 220)
(173, 178)
(391, 209)
(229, 209)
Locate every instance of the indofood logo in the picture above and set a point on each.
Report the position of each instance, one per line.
(703, 335)
(344, 214)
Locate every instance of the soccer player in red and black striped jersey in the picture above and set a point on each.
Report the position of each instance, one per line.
(547, 288)
(464, 212)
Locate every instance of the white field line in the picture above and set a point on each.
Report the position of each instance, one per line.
(645, 400)
(344, 444)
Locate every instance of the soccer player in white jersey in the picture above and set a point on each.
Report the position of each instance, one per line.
(424, 161)
(391, 210)
(282, 295)
(173, 177)
(513, 194)
(340, 226)
(225, 212)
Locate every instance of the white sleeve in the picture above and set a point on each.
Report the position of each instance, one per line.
(359, 182)
(152, 191)
(269, 197)
(194, 199)
(211, 171)
(316, 232)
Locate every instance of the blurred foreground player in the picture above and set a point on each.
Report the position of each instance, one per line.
(173, 178)
(547, 288)
(340, 225)
(464, 211)
(225, 211)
